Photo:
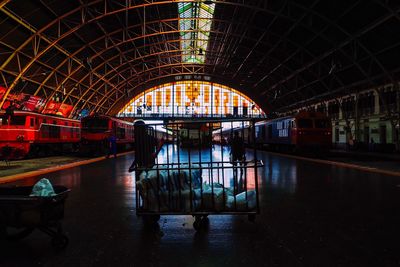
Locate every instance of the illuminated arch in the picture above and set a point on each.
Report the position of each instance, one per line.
(191, 98)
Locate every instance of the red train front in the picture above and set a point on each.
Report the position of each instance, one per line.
(27, 133)
(97, 128)
(311, 130)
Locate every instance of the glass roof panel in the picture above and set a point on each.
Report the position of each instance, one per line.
(195, 20)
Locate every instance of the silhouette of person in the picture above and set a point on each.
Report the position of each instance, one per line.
(146, 148)
(237, 155)
(371, 145)
(112, 149)
(237, 148)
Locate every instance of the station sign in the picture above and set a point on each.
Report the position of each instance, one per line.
(193, 77)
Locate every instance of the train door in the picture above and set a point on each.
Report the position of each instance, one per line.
(114, 128)
(54, 130)
(32, 122)
(337, 132)
(269, 133)
(366, 134)
(382, 134)
(44, 129)
(263, 134)
(293, 132)
(65, 131)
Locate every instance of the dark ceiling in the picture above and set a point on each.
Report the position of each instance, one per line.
(282, 53)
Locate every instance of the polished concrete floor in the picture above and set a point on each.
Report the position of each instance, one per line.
(311, 215)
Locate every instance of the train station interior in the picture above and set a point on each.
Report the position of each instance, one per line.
(199, 133)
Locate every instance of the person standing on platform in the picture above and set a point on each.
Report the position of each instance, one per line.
(112, 146)
(237, 155)
(371, 145)
(237, 148)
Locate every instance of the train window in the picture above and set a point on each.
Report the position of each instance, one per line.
(32, 122)
(304, 123)
(321, 123)
(286, 124)
(95, 125)
(44, 130)
(18, 120)
(54, 131)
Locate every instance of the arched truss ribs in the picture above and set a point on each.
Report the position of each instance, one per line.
(99, 70)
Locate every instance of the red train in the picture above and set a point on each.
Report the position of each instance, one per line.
(304, 131)
(29, 134)
(96, 129)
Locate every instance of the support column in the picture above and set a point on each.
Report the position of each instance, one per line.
(377, 102)
(356, 119)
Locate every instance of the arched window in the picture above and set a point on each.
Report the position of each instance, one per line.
(191, 98)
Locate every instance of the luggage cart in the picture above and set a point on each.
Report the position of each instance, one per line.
(199, 179)
(20, 214)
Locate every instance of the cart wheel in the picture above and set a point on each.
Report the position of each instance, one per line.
(252, 217)
(205, 222)
(60, 241)
(200, 222)
(197, 225)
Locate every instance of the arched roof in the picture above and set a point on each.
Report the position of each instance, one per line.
(282, 52)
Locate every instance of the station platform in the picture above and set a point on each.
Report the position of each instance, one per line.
(381, 161)
(312, 214)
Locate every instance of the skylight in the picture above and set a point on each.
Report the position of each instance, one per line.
(195, 19)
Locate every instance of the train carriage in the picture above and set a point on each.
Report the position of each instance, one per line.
(304, 131)
(25, 133)
(96, 129)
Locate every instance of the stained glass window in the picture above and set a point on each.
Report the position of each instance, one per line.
(191, 98)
